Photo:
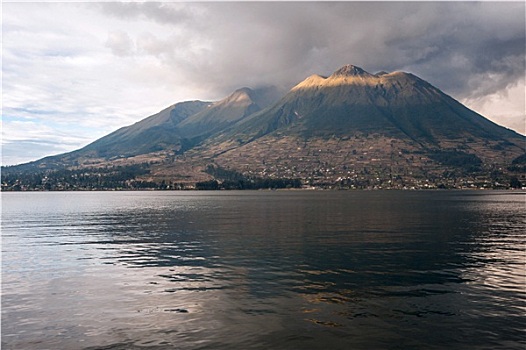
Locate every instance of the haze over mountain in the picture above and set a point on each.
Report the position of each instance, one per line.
(349, 126)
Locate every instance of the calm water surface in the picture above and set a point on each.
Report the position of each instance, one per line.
(264, 270)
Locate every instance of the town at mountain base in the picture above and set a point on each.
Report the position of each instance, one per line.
(351, 130)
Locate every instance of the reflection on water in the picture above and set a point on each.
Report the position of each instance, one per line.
(279, 270)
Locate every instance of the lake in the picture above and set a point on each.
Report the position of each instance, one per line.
(264, 270)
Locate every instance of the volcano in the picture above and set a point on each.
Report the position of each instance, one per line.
(352, 128)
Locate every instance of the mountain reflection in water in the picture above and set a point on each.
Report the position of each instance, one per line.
(279, 270)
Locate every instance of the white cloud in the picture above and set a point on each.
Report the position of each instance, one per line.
(120, 43)
(32, 139)
(81, 82)
(506, 107)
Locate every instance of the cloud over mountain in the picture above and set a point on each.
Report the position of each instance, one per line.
(454, 44)
(120, 61)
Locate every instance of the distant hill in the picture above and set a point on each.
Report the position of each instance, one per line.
(352, 129)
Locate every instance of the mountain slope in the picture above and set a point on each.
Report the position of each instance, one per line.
(177, 127)
(358, 125)
(240, 104)
(154, 133)
(172, 130)
(351, 100)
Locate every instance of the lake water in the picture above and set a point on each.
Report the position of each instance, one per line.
(264, 270)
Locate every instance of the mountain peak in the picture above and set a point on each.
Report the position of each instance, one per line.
(262, 96)
(311, 81)
(243, 90)
(350, 70)
(243, 93)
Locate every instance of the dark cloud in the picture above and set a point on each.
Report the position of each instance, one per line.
(465, 48)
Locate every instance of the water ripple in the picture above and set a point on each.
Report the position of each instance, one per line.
(263, 270)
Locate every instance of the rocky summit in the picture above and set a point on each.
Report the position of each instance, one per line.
(352, 129)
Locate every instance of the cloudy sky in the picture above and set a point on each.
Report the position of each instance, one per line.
(73, 72)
